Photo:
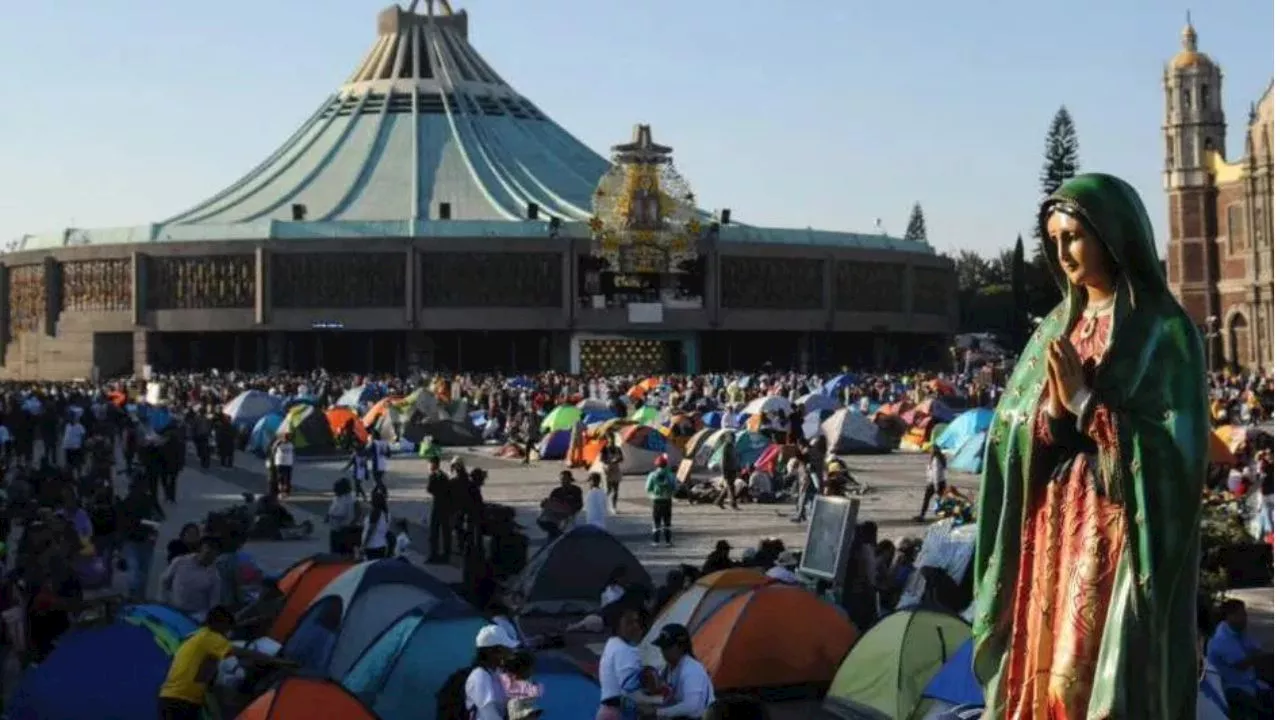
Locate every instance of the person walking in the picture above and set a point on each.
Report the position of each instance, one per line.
(660, 486)
(282, 460)
(440, 524)
(380, 456)
(611, 458)
(729, 474)
(377, 527)
(935, 481)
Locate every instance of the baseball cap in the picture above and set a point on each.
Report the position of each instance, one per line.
(491, 636)
(673, 634)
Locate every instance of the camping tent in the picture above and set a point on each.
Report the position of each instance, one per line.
(968, 424)
(247, 408)
(739, 644)
(641, 445)
(567, 692)
(563, 417)
(300, 584)
(359, 397)
(403, 669)
(338, 417)
(817, 401)
(749, 446)
(165, 618)
(567, 575)
(693, 606)
(308, 427)
(112, 672)
(813, 420)
(366, 597)
(555, 445)
(298, 697)
(969, 456)
(888, 669)
(264, 432)
(848, 431)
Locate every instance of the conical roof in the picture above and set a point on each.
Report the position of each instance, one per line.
(422, 121)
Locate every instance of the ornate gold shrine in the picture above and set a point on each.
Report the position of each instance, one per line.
(644, 218)
(624, 356)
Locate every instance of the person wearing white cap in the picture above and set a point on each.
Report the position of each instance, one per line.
(485, 697)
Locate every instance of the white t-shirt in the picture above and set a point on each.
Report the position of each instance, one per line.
(611, 594)
(284, 454)
(620, 668)
(485, 695)
(692, 688)
(596, 505)
(73, 436)
(378, 540)
(342, 511)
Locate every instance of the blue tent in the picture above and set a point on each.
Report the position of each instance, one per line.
(250, 406)
(838, 383)
(713, 419)
(968, 424)
(568, 693)
(555, 445)
(969, 456)
(113, 672)
(178, 623)
(360, 397)
(264, 431)
(749, 446)
(813, 422)
(592, 415)
(311, 400)
(400, 674)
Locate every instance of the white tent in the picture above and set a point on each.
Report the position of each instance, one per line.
(769, 404)
(847, 431)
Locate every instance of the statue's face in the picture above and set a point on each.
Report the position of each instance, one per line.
(1082, 257)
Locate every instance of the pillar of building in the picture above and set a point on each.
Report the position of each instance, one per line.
(275, 351)
(411, 263)
(141, 353)
(138, 276)
(5, 329)
(262, 286)
(52, 295)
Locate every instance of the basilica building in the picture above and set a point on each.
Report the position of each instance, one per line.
(1221, 241)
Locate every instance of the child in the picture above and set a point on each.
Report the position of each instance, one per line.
(401, 528)
(517, 680)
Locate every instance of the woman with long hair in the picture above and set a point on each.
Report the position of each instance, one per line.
(1087, 556)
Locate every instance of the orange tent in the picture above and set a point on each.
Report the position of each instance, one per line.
(643, 388)
(338, 418)
(1219, 451)
(300, 584)
(692, 607)
(379, 409)
(775, 636)
(305, 698)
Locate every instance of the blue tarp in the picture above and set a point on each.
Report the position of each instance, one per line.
(555, 445)
(568, 693)
(833, 386)
(400, 674)
(250, 406)
(264, 432)
(955, 682)
(170, 618)
(969, 456)
(591, 416)
(968, 424)
(713, 419)
(112, 672)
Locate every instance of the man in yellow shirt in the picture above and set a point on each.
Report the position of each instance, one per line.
(195, 666)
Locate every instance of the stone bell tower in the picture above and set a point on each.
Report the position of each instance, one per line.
(1194, 129)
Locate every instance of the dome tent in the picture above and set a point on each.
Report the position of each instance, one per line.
(365, 598)
(297, 697)
(692, 607)
(250, 406)
(402, 670)
(885, 674)
(849, 431)
(641, 445)
(300, 584)
(968, 424)
(567, 575)
(309, 429)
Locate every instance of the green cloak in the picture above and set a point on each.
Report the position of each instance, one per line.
(1152, 379)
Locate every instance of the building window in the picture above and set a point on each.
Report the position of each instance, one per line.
(1204, 96)
(1168, 151)
(1236, 235)
(1208, 143)
(1186, 99)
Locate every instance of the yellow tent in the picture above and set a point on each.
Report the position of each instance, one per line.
(885, 674)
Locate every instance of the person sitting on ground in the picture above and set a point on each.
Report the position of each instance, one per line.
(1237, 658)
(784, 569)
(517, 681)
(403, 544)
(718, 559)
(613, 592)
(561, 506)
(759, 486)
(273, 521)
(187, 542)
(195, 666)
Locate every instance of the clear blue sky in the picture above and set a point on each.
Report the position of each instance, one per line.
(824, 113)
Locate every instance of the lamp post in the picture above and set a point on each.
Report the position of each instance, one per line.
(1211, 334)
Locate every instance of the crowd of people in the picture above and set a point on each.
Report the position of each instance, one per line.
(66, 448)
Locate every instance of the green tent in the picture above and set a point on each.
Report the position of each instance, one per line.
(646, 416)
(561, 418)
(886, 672)
(309, 429)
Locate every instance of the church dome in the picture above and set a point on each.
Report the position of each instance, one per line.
(1190, 57)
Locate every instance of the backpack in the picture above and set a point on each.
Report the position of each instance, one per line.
(451, 699)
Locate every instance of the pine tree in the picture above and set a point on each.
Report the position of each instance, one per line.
(915, 226)
(1061, 160)
(1018, 281)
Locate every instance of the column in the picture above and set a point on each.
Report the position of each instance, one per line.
(711, 288)
(569, 284)
(262, 286)
(829, 290)
(411, 263)
(141, 354)
(52, 296)
(275, 351)
(5, 329)
(138, 270)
